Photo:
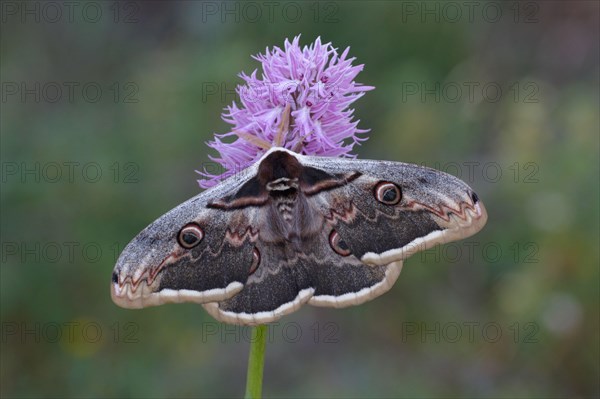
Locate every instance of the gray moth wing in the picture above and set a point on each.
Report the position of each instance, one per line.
(428, 207)
(293, 229)
(154, 268)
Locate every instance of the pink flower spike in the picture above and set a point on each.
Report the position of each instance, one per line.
(300, 101)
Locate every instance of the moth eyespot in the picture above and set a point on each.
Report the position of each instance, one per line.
(474, 197)
(338, 245)
(387, 193)
(190, 236)
(255, 261)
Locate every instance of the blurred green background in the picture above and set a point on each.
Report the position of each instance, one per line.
(105, 110)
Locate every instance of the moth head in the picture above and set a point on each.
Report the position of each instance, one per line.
(277, 165)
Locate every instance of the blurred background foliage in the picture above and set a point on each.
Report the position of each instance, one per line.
(511, 312)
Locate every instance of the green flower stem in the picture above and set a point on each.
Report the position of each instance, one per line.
(256, 362)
